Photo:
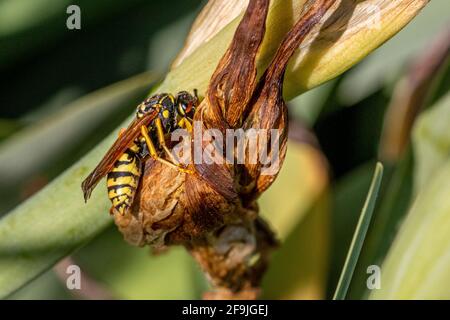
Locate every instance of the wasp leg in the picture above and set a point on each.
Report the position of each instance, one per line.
(162, 141)
(185, 123)
(154, 153)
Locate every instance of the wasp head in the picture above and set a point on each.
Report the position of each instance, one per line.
(186, 103)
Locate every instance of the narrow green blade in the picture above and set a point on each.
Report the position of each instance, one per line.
(359, 236)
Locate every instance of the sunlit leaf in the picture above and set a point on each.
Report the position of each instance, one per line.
(53, 223)
(344, 37)
(392, 205)
(43, 145)
(303, 179)
(308, 106)
(418, 262)
(296, 271)
(431, 139)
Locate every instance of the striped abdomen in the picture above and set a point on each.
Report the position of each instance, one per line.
(123, 180)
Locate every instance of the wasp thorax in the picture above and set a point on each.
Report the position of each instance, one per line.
(143, 108)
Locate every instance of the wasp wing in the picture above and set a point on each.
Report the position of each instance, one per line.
(117, 149)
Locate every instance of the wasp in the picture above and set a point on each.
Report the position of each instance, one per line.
(156, 118)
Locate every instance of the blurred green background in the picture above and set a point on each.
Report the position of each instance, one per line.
(62, 91)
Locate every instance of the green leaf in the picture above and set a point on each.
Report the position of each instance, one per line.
(39, 23)
(360, 234)
(54, 222)
(129, 272)
(296, 271)
(57, 139)
(48, 227)
(46, 287)
(393, 204)
(349, 194)
(431, 140)
(308, 106)
(345, 39)
(303, 179)
(418, 262)
(8, 127)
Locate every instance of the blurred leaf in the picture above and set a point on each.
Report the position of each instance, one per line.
(296, 271)
(113, 44)
(133, 273)
(8, 127)
(61, 222)
(30, 26)
(359, 235)
(214, 16)
(350, 136)
(418, 262)
(171, 38)
(49, 140)
(53, 104)
(393, 204)
(303, 179)
(431, 139)
(388, 62)
(411, 95)
(46, 287)
(308, 105)
(409, 98)
(443, 84)
(349, 194)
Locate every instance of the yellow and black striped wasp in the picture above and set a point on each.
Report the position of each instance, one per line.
(156, 118)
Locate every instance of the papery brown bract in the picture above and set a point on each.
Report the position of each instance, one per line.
(234, 80)
(269, 110)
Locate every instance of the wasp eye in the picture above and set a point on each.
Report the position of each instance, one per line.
(181, 109)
